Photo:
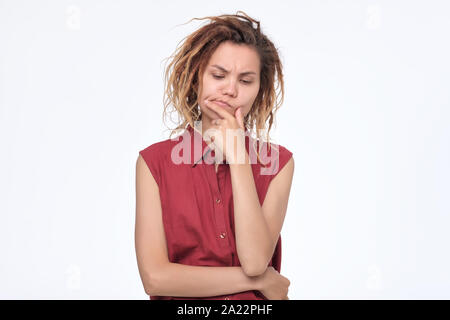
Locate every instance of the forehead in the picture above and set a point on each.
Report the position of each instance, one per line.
(239, 57)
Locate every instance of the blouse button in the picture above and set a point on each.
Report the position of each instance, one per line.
(218, 200)
(222, 235)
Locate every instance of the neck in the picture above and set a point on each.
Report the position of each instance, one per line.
(205, 125)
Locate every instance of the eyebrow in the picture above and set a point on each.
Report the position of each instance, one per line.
(226, 71)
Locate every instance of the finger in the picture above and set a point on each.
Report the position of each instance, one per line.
(218, 109)
(240, 118)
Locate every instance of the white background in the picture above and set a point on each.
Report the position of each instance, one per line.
(366, 115)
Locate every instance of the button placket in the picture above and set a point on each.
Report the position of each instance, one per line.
(223, 234)
(216, 180)
(218, 205)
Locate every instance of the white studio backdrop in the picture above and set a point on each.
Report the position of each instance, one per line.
(366, 114)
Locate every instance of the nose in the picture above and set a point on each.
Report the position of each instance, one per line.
(230, 88)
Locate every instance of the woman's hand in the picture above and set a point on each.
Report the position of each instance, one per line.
(274, 286)
(230, 125)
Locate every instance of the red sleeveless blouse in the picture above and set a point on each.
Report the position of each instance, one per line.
(197, 202)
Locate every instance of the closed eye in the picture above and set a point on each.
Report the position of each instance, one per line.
(221, 77)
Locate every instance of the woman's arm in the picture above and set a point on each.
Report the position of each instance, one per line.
(181, 280)
(258, 227)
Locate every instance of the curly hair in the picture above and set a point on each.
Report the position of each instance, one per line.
(185, 71)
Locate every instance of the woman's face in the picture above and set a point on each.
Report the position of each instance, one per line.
(232, 75)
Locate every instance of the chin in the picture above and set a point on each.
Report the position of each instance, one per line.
(212, 115)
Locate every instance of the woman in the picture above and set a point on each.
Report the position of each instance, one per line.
(213, 232)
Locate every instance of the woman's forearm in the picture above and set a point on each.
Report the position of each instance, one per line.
(179, 280)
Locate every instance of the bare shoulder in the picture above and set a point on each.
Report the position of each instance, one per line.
(286, 173)
(140, 162)
(144, 176)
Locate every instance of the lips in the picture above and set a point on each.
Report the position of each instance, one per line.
(222, 103)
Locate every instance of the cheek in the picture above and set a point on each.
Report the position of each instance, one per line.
(208, 85)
